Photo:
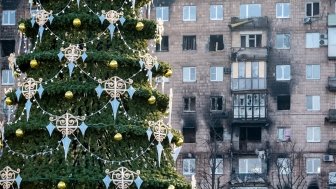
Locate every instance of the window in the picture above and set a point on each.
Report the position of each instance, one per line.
(312, 9)
(216, 43)
(216, 12)
(312, 40)
(250, 134)
(7, 77)
(282, 10)
(216, 103)
(164, 45)
(189, 74)
(216, 133)
(7, 47)
(248, 75)
(249, 106)
(8, 17)
(283, 72)
(313, 134)
(250, 10)
(250, 40)
(313, 103)
(189, 104)
(189, 165)
(189, 42)
(162, 13)
(283, 102)
(284, 166)
(313, 165)
(251, 165)
(313, 71)
(282, 41)
(217, 163)
(189, 13)
(284, 134)
(189, 134)
(216, 73)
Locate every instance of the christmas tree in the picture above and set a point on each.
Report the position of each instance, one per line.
(88, 113)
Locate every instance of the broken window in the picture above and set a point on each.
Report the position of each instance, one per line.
(250, 165)
(7, 47)
(216, 133)
(312, 9)
(189, 134)
(250, 134)
(216, 43)
(189, 42)
(216, 103)
(164, 45)
(250, 40)
(189, 104)
(283, 102)
(189, 166)
(249, 106)
(248, 75)
(284, 134)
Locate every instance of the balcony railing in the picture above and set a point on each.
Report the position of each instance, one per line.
(248, 146)
(245, 178)
(331, 116)
(332, 84)
(331, 147)
(249, 23)
(249, 53)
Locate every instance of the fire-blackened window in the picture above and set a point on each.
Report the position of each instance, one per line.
(216, 133)
(283, 102)
(7, 47)
(251, 40)
(250, 133)
(189, 104)
(164, 45)
(216, 43)
(189, 42)
(216, 103)
(189, 135)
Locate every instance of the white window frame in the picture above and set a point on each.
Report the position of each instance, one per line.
(252, 37)
(316, 165)
(282, 41)
(219, 166)
(281, 72)
(244, 73)
(280, 8)
(315, 101)
(6, 17)
(189, 74)
(189, 166)
(313, 71)
(313, 134)
(218, 13)
(214, 103)
(161, 13)
(246, 8)
(312, 40)
(244, 164)
(216, 73)
(284, 134)
(284, 166)
(312, 8)
(187, 10)
(9, 80)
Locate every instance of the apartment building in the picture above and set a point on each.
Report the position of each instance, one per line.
(254, 90)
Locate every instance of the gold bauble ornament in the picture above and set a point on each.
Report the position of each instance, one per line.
(113, 64)
(16, 74)
(33, 63)
(22, 27)
(168, 73)
(139, 26)
(179, 142)
(19, 132)
(61, 185)
(8, 101)
(1, 144)
(117, 137)
(76, 22)
(68, 95)
(151, 100)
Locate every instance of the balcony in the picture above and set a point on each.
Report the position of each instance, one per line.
(238, 24)
(257, 179)
(331, 116)
(332, 84)
(247, 147)
(331, 147)
(249, 53)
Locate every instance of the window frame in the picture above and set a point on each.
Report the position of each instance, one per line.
(312, 9)
(165, 43)
(311, 71)
(219, 165)
(258, 110)
(189, 43)
(282, 39)
(162, 10)
(247, 10)
(315, 102)
(189, 166)
(214, 103)
(187, 13)
(10, 77)
(190, 77)
(248, 75)
(246, 166)
(216, 73)
(284, 134)
(282, 6)
(316, 132)
(219, 14)
(251, 37)
(216, 133)
(312, 40)
(216, 39)
(283, 165)
(6, 19)
(191, 104)
(312, 161)
(283, 68)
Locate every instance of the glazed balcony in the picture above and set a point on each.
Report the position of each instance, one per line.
(332, 84)
(331, 116)
(331, 147)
